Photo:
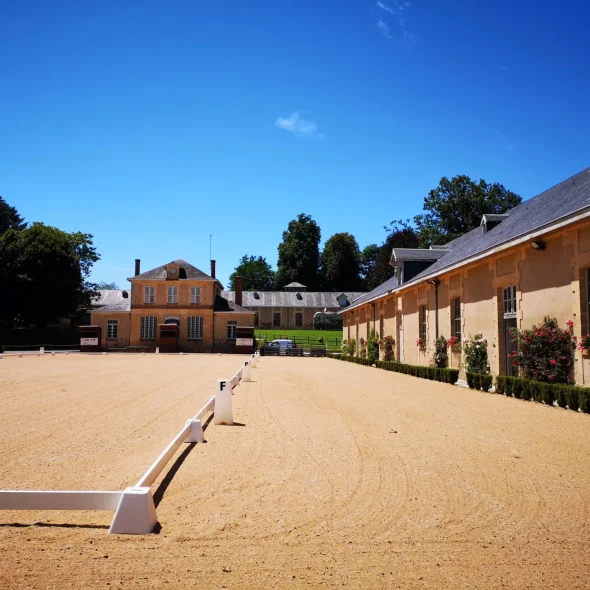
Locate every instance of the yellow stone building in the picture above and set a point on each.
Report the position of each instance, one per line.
(512, 271)
(177, 295)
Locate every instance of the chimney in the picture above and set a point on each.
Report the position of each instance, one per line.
(213, 269)
(239, 290)
(137, 266)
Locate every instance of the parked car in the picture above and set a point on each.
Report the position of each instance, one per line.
(283, 343)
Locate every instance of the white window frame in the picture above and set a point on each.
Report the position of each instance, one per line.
(195, 295)
(148, 327)
(509, 301)
(423, 331)
(149, 295)
(194, 328)
(457, 328)
(299, 314)
(232, 329)
(112, 329)
(172, 294)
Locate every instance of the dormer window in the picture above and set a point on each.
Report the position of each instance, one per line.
(125, 294)
(299, 296)
(256, 295)
(172, 271)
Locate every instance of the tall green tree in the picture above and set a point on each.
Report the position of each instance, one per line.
(299, 253)
(340, 263)
(256, 273)
(368, 260)
(400, 235)
(9, 218)
(456, 206)
(44, 274)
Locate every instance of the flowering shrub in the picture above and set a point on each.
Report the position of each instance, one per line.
(349, 347)
(584, 343)
(476, 353)
(421, 343)
(440, 358)
(386, 345)
(452, 342)
(544, 353)
(373, 347)
(362, 348)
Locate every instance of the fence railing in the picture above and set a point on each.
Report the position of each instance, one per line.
(331, 342)
(135, 511)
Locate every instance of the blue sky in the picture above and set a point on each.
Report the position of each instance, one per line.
(155, 124)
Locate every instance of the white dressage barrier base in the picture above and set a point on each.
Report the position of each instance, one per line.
(135, 512)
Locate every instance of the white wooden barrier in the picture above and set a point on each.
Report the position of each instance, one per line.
(135, 512)
(55, 500)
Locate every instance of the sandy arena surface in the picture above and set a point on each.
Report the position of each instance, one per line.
(337, 475)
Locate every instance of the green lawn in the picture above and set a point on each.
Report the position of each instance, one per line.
(332, 338)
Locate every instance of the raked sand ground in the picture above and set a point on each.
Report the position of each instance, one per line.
(337, 475)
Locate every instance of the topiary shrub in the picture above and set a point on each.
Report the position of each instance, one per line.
(584, 399)
(500, 384)
(373, 347)
(547, 394)
(441, 357)
(486, 382)
(572, 399)
(545, 353)
(559, 391)
(469, 377)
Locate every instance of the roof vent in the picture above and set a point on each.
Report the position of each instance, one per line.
(124, 294)
(491, 220)
(256, 295)
(299, 296)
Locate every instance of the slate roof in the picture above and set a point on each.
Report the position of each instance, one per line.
(382, 289)
(318, 299)
(420, 254)
(222, 304)
(192, 272)
(559, 203)
(112, 301)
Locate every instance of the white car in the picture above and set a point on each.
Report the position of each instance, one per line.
(282, 344)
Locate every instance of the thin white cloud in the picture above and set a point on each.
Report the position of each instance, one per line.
(298, 126)
(385, 7)
(409, 39)
(383, 28)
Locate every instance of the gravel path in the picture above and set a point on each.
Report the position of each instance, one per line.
(336, 475)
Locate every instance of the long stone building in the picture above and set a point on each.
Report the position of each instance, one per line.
(293, 307)
(512, 271)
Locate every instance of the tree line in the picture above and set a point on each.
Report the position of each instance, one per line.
(450, 210)
(44, 271)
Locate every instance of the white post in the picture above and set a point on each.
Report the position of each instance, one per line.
(136, 513)
(157, 350)
(246, 372)
(253, 361)
(196, 434)
(223, 413)
(42, 350)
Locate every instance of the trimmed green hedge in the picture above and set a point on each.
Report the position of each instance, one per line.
(479, 381)
(570, 396)
(432, 373)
